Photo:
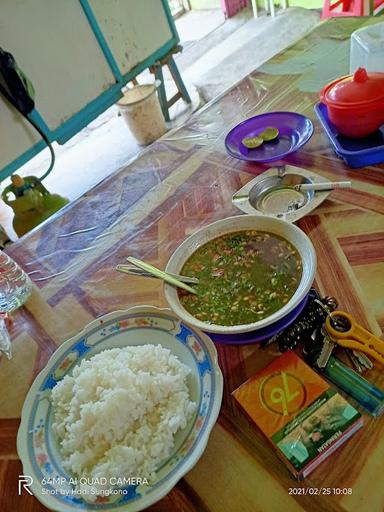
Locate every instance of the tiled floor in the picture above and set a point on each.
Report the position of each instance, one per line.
(211, 62)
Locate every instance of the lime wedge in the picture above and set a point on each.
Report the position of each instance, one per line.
(270, 133)
(252, 142)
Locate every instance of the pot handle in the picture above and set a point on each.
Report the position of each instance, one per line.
(360, 75)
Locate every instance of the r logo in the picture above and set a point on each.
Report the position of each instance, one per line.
(25, 481)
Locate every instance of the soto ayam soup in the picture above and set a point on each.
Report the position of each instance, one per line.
(243, 277)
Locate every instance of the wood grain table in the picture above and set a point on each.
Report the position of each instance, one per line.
(181, 182)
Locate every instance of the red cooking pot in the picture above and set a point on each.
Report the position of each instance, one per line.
(355, 103)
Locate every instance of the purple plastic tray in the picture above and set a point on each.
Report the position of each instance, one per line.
(355, 152)
(261, 334)
(294, 131)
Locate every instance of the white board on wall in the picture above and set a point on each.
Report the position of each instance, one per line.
(55, 45)
(133, 29)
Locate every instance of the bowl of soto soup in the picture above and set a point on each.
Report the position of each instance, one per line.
(252, 272)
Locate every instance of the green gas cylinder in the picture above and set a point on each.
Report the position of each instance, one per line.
(31, 202)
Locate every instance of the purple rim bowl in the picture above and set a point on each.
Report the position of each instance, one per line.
(261, 334)
(295, 130)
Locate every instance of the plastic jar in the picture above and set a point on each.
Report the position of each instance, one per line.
(367, 48)
(141, 110)
(15, 285)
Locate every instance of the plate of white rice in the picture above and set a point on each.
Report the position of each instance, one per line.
(120, 413)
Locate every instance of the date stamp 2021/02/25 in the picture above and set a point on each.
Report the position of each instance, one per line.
(320, 491)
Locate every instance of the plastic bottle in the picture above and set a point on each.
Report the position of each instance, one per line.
(15, 285)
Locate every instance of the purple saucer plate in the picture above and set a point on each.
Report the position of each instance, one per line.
(261, 334)
(294, 131)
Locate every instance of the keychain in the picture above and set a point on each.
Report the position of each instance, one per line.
(312, 317)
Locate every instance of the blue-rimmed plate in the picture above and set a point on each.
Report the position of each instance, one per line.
(38, 446)
(294, 131)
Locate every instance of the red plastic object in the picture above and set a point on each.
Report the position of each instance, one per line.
(232, 7)
(342, 8)
(378, 7)
(355, 103)
(350, 8)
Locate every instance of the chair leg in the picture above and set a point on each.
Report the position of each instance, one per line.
(178, 80)
(254, 8)
(272, 8)
(161, 91)
(326, 10)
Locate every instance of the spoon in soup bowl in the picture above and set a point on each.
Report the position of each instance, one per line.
(149, 270)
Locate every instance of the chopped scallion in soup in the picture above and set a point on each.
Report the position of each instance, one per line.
(243, 277)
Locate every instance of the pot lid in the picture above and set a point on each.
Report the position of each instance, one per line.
(357, 89)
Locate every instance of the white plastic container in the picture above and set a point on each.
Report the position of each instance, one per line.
(141, 110)
(15, 285)
(367, 48)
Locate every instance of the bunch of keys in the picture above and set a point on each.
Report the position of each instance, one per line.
(310, 319)
(340, 328)
(320, 327)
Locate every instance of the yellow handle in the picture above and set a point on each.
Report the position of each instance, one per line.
(371, 350)
(356, 337)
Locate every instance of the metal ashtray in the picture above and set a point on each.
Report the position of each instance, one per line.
(273, 194)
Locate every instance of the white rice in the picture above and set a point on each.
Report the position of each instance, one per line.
(118, 412)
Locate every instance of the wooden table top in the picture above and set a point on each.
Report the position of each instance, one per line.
(178, 184)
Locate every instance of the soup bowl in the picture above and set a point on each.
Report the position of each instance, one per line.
(289, 232)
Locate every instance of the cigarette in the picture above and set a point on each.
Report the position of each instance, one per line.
(327, 185)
